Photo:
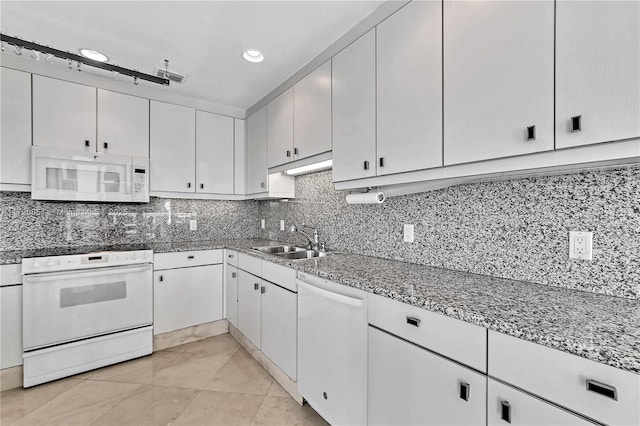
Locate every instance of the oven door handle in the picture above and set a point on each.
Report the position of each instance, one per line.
(56, 276)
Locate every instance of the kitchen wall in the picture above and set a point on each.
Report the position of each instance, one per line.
(27, 224)
(514, 229)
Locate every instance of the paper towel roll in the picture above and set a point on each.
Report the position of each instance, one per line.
(365, 198)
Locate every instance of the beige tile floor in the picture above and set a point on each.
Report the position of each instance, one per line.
(209, 382)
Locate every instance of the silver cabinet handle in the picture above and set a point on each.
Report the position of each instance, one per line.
(105, 145)
(161, 278)
(295, 151)
(288, 153)
(202, 186)
(413, 321)
(531, 133)
(263, 289)
(256, 286)
(191, 257)
(505, 411)
(188, 184)
(233, 275)
(261, 184)
(465, 390)
(576, 123)
(230, 256)
(381, 161)
(603, 389)
(87, 143)
(366, 165)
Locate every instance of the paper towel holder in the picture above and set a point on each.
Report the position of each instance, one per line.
(367, 197)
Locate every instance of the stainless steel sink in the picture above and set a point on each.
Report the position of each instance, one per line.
(279, 249)
(306, 254)
(291, 252)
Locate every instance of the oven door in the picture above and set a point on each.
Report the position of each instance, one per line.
(61, 307)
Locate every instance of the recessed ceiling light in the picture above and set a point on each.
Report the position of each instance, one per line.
(253, 55)
(93, 54)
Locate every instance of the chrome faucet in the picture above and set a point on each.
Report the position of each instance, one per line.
(314, 244)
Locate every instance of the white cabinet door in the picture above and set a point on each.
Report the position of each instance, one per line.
(409, 385)
(173, 145)
(64, 114)
(507, 405)
(214, 153)
(257, 152)
(10, 326)
(240, 149)
(312, 113)
(15, 138)
(123, 124)
(249, 306)
(354, 110)
(409, 89)
(279, 327)
(498, 79)
(231, 295)
(597, 68)
(185, 297)
(280, 129)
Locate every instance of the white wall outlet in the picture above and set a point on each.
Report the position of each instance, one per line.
(193, 225)
(262, 224)
(408, 233)
(282, 225)
(580, 245)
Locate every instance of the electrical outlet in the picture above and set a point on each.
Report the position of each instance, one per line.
(193, 225)
(282, 225)
(408, 233)
(262, 224)
(580, 245)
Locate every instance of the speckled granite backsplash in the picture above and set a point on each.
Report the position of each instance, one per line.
(517, 229)
(27, 224)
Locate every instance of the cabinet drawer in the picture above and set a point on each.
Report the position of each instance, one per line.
(11, 274)
(250, 264)
(566, 379)
(507, 405)
(186, 258)
(280, 275)
(231, 257)
(455, 339)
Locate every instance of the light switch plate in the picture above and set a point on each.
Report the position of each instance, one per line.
(193, 225)
(580, 245)
(408, 233)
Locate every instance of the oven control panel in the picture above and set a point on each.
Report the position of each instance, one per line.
(36, 265)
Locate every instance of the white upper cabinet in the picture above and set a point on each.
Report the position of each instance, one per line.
(354, 110)
(409, 89)
(312, 113)
(257, 152)
(240, 152)
(64, 114)
(123, 124)
(214, 153)
(15, 139)
(597, 69)
(498, 79)
(280, 129)
(172, 148)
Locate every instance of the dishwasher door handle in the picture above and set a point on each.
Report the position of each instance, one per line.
(336, 297)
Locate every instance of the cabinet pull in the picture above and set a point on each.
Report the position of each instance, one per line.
(465, 390)
(190, 257)
(288, 153)
(262, 289)
(576, 123)
(531, 133)
(230, 256)
(505, 411)
(233, 274)
(602, 389)
(366, 165)
(255, 286)
(202, 186)
(381, 161)
(188, 184)
(87, 143)
(413, 321)
(105, 145)
(261, 184)
(295, 151)
(161, 278)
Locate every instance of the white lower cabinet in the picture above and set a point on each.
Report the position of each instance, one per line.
(10, 326)
(231, 295)
(408, 385)
(507, 405)
(250, 307)
(186, 296)
(279, 326)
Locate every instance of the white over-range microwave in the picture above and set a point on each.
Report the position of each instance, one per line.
(60, 174)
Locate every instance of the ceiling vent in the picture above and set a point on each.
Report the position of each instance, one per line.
(172, 76)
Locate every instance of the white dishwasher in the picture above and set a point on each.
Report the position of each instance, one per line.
(332, 349)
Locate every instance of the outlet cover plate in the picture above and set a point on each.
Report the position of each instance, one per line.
(262, 224)
(408, 233)
(282, 225)
(580, 245)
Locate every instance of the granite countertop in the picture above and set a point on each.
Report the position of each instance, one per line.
(601, 328)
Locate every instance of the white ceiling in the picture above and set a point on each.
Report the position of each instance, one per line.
(203, 39)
